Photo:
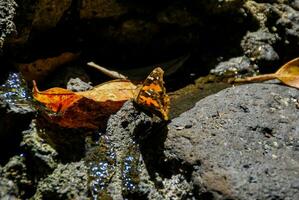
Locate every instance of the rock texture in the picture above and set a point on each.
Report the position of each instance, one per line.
(131, 34)
(16, 113)
(66, 182)
(242, 143)
(7, 13)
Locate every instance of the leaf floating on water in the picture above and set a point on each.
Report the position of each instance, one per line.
(14, 90)
(89, 109)
(288, 74)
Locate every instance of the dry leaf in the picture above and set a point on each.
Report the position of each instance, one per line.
(89, 109)
(288, 74)
(39, 69)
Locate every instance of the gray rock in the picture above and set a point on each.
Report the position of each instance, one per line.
(77, 85)
(258, 46)
(67, 181)
(121, 142)
(16, 113)
(242, 143)
(131, 155)
(234, 66)
(17, 172)
(8, 190)
(7, 13)
(288, 23)
(42, 157)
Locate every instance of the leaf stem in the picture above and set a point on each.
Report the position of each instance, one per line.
(263, 77)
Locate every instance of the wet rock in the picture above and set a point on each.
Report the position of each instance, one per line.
(120, 145)
(123, 166)
(242, 143)
(7, 13)
(234, 66)
(67, 181)
(15, 108)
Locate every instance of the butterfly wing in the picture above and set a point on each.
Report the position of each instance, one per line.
(152, 94)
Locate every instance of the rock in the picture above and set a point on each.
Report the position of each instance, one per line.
(175, 15)
(8, 190)
(77, 85)
(68, 181)
(277, 33)
(15, 108)
(49, 13)
(258, 46)
(16, 171)
(288, 23)
(7, 13)
(41, 156)
(116, 164)
(241, 143)
(123, 166)
(93, 9)
(234, 66)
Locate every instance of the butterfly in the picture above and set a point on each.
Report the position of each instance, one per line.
(152, 94)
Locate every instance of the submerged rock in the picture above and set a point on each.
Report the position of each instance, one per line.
(241, 143)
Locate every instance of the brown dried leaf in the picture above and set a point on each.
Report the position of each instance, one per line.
(288, 74)
(89, 109)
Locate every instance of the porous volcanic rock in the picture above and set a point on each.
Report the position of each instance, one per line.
(67, 181)
(241, 143)
(7, 13)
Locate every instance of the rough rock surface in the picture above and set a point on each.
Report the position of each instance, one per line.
(42, 156)
(8, 190)
(233, 66)
(7, 13)
(242, 143)
(15, 108)
(127, 32)
(134, 175)
(67, 181)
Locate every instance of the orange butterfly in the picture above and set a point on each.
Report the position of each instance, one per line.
(152, 94)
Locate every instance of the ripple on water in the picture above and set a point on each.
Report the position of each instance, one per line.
(101, 163)
(14, 90)
(131, 169)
